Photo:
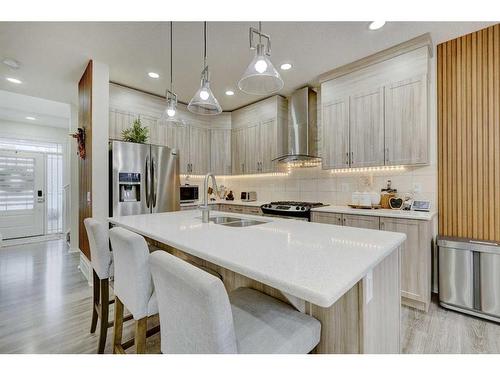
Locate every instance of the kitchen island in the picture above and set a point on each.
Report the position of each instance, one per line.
(348, 278)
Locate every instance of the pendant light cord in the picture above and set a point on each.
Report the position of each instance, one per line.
(260, 32)
(171, 57)
(205, 43)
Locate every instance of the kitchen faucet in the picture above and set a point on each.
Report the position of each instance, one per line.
(205, 209)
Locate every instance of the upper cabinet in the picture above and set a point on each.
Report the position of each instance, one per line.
(335, 140)
(406, 130)
(220, 151)
(366, 133)
(374, 111)
(257, 136)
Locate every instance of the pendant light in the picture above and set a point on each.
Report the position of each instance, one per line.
(204, 101)
(260, 78)
(171, 115)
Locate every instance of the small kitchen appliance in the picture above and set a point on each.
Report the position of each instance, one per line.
(189, 193)
(248, 196)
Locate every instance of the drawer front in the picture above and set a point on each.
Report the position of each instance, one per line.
(326, 218)
(361, 221)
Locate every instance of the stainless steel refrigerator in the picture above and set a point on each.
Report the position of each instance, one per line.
(143, 179)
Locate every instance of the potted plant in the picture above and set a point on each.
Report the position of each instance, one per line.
(136, 133)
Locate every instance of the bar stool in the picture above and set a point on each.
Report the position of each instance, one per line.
(198, 316)
(102, 265)
(133, 288)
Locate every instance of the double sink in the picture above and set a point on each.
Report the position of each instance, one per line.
(230, 221)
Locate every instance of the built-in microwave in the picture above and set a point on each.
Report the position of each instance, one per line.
(188, 193)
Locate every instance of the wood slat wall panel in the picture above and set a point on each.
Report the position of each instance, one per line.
(468, 73)
(85, 165)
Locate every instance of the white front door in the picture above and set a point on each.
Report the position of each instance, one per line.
(22, 194)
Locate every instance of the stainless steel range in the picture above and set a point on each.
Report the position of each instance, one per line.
(290, 209)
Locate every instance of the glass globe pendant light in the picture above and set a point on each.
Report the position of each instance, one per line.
(171, 116)
(260, 78)
(204, 101)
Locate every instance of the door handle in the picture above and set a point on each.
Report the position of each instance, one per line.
(153, 183)
(146, 180)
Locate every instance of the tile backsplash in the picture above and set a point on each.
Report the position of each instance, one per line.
(315, 184)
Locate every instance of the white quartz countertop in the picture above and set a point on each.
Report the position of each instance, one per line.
(417, 215)
(315, 262)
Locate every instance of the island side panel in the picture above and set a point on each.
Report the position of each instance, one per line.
(381, 315)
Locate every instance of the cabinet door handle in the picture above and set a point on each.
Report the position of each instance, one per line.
(352, 157)
(242, 167)
(382, 225)
(387, 155)
(347, 158)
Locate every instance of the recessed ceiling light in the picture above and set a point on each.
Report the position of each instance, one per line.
(375, 25)
(286, 66)
(153, 75)
(229, 92)
(13, 80)
(11, 63)
(30, 118)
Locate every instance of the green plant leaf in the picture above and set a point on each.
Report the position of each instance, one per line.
(136, 133)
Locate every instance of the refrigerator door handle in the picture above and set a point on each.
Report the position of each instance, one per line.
(154, 182)
(146, 181)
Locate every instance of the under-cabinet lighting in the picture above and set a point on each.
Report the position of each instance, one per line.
(30, 118)
(153, 75)
(270, 174)
(388, 168)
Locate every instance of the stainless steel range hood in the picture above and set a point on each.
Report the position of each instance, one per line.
(301, 133)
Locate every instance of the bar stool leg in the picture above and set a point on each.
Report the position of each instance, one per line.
(118, 327)
(95, 302)
(141, 327)
(104, 313)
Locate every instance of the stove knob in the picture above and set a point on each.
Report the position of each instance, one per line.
(297, 208)
(303, 208)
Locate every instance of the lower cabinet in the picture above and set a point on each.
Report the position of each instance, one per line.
(236, 208)
(416, 251)
(416, 260)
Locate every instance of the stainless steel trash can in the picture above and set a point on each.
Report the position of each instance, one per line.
(469, 276)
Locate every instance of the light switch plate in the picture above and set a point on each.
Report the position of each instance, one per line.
(368, 286)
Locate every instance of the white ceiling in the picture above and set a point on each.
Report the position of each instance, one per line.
(16, 107)
(53, 55)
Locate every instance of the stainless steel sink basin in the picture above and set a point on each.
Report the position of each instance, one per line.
(224, 219)
(230, 221)
(244, 223)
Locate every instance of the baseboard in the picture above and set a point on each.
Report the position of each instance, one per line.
(28, 240)
(85, 268)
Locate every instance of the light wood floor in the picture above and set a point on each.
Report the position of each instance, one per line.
(45, 307)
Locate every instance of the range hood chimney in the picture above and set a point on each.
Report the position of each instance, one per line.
(301, 133)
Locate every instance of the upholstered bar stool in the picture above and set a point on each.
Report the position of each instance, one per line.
(198, 316)
(133, 288)
(102, 265)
